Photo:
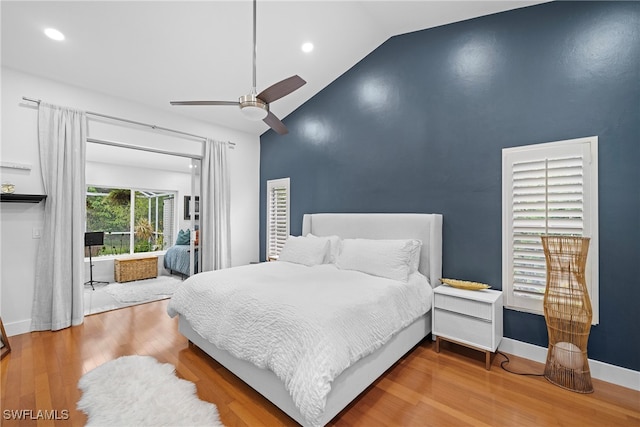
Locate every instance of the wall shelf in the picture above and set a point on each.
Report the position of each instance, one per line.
(22, 198)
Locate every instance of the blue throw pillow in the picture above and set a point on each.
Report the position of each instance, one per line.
(183, 237)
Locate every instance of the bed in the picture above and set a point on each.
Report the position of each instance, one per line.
(368, 362)
(176, 259)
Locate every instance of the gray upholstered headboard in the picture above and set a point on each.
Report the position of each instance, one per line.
(426, 227)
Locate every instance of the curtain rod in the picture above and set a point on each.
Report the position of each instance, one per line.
(232, 144)
(143, 148)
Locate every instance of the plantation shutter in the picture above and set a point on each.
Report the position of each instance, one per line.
(547, 199)
(546, 190)
(277, 216)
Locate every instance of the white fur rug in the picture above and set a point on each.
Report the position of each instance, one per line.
(140, 391)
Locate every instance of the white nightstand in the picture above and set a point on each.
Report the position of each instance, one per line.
(470, 318)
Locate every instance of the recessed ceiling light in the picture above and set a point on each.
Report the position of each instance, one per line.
(54, 34)
(307, 47)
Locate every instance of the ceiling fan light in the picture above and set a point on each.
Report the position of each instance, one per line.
(253, 108)
(254, 112)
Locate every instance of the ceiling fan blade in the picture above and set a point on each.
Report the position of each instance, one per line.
(205, 103)
(275, 124)
(282, 88)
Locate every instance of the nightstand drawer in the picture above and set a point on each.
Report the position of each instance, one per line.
(465, 306)
(464, 329)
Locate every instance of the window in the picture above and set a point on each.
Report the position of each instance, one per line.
(547, 188)
(122, 213)
(277, 216)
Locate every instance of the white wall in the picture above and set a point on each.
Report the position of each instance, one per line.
(19, 145)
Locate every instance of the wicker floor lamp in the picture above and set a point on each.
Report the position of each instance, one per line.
(567, 311)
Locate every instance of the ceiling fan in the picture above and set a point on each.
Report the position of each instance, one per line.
(255, 106)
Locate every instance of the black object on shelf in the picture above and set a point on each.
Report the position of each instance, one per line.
(22, 198)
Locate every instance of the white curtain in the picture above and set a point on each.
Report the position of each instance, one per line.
(58, 296)
(215, 230)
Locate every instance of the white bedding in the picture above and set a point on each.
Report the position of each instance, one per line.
(306, 324)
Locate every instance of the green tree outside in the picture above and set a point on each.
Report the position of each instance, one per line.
(109, 210)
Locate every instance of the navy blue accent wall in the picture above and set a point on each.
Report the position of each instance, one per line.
(419, 124)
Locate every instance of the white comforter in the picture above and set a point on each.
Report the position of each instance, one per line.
(306, 324)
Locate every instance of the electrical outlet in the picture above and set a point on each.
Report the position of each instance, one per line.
(36, 233)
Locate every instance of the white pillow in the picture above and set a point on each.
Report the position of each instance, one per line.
(304, 250)
(334, 247)
(393, 259)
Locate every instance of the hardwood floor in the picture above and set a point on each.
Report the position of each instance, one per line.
(425, 388)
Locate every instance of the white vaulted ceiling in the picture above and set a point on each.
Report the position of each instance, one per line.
(152, 52)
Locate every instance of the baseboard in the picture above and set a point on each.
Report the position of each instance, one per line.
(17, 328)
(603, 371)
